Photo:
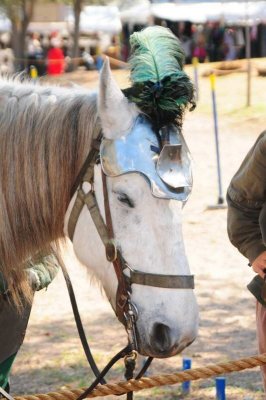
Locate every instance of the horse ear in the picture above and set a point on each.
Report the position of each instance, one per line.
(117, 115)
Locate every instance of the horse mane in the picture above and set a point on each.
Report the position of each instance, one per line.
(45, 136)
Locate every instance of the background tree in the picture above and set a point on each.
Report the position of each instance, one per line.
(20, 13)
(77, 8)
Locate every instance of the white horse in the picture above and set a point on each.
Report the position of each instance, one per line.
(149, 232)
(45, 136)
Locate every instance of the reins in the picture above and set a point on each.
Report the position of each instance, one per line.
(126, 353)
(80, 328)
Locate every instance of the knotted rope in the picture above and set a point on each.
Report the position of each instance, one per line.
(152, 381)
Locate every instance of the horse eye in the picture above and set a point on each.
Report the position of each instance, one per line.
(123, 198)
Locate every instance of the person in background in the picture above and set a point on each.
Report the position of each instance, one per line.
(229, 45)
(6, 60)
(186, 38)
(88, 60)
(200, 50)
(99, 58)
(246, 225)
(35, 54)
(55, 58)
(215, 42)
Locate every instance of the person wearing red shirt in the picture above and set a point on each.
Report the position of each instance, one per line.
(55, 58)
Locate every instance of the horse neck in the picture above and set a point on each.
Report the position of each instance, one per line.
(45, 136)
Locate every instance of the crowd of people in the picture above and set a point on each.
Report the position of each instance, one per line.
(214, 41)
(44, 55)
(51, 54)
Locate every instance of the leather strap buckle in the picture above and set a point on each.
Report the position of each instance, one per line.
(111, 251)
(122, 301)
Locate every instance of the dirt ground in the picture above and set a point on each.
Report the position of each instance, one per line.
(51, 357)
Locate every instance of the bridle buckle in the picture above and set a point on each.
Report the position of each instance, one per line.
(111, 251)
(133, 355)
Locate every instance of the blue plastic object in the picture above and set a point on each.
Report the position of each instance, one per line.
(220, 388)
(187, 362)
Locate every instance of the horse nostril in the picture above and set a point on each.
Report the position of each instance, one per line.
(160, 337)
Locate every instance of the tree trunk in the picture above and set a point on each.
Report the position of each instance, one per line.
(75, 49)
(18, 45)
(20, 21)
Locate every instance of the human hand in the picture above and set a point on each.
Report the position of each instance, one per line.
(259, 264)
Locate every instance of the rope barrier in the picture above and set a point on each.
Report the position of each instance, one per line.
(152, 381)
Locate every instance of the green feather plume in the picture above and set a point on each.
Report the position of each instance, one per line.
(156, 53)
(160, 87)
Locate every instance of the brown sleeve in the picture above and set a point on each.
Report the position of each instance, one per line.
(246, 196)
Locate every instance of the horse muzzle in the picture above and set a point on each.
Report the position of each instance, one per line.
(162, 341)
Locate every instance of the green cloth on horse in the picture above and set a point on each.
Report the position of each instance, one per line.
(41, 272)
(5, 368)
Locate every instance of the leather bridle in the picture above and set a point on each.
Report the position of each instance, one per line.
(126, 311)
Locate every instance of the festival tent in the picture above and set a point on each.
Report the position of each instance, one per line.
(94, 19)
(137, 12)
(48, 27)
(5, 24)
(232, 13)
(40, 27)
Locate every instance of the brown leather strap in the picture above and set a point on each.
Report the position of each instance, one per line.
(87, 165)
(91, 202)
(108, 217)
(123, 288)
(88, 199)
(160, 280)
(86, 174)
(75, 213)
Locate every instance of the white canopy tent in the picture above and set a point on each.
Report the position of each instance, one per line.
(232, 13)
(48, 27)
(93, 19)
(139, 12)
(5, 24)
(40, 27)
(179, 12)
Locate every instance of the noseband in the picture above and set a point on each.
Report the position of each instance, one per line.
(126, 311)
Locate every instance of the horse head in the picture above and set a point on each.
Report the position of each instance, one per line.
(148, 180)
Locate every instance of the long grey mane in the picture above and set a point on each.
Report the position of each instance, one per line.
(45, 136)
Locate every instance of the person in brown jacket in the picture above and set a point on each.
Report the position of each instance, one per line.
(246, 225)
